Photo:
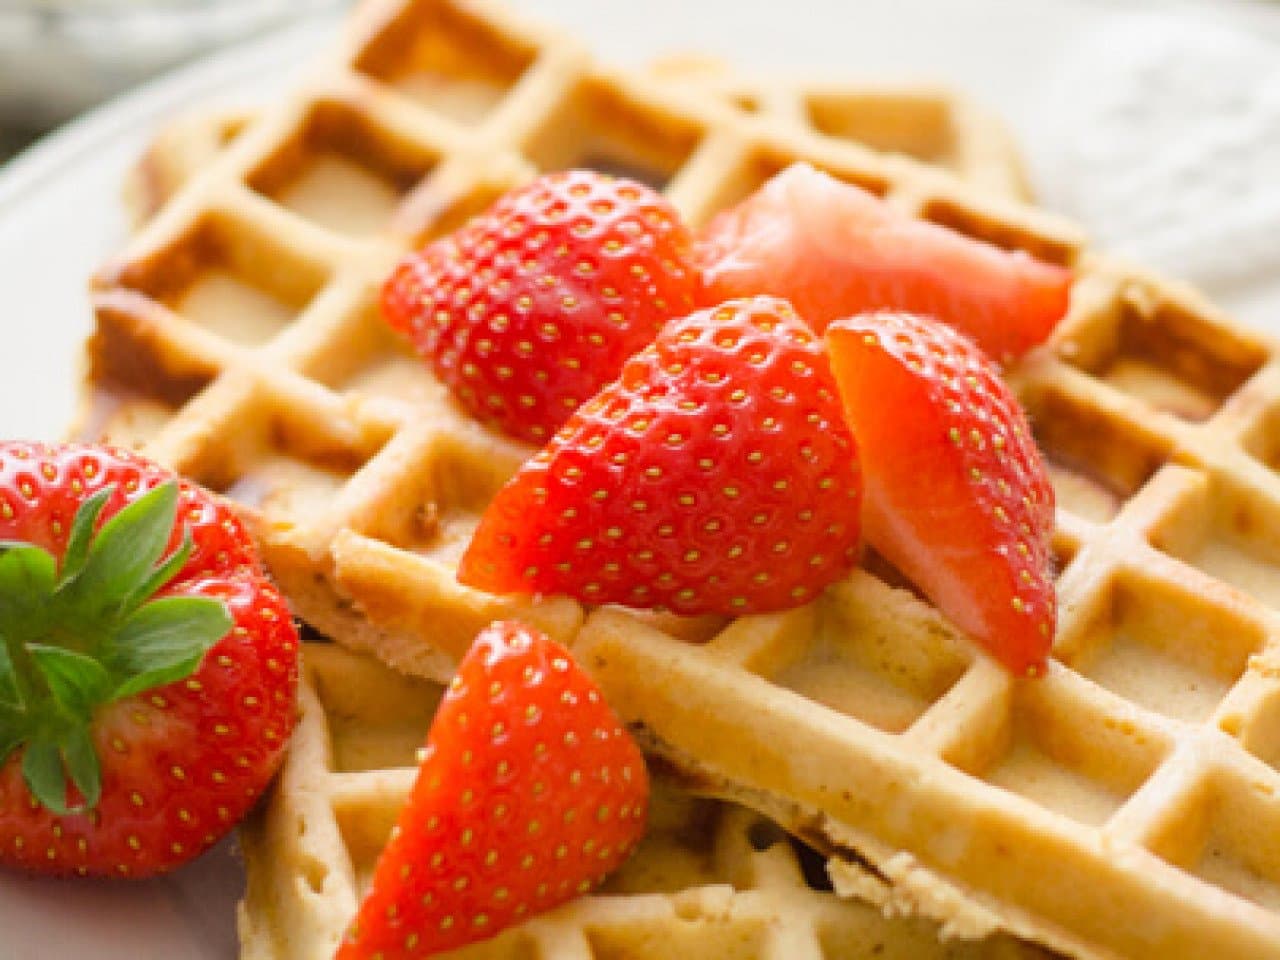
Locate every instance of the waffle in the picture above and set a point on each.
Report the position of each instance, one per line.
(1127, 805)
(184, 147)
(711, 879)
(928, 122)
(262, 277)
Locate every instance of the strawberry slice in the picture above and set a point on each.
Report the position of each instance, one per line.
(835, 250)
(534, 305)
(956, 492)
(530, 792)
(716, 475)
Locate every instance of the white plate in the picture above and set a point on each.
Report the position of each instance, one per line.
(60, 216)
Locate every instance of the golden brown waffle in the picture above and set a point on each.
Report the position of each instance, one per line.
(184, 147)
(711, 879)
(930, 123)
(263, 278)
(1127, 805)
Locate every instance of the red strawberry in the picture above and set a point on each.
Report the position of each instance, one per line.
(147, 667)
(716, 475)
(835, 250)
(529, 793)
(533, 306)
(957, 494)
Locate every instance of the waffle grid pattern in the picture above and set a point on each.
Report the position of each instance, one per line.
(710, 880)
(259, 323)
(927, 122)
(1125, 806)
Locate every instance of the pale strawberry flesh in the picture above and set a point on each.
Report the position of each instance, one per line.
(957, 495)
(835, 250)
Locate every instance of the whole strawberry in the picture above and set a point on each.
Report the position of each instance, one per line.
(147, 667)
(716, 475)
(957, 493)
(529, 794)
(534, 305)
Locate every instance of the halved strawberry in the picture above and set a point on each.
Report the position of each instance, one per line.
(835, 250)
(147, 665)
(956, 492)
(716, 475)
(530, 792)
(535, 304)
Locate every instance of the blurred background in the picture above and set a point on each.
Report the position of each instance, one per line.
(61, 57)
(1154, 123)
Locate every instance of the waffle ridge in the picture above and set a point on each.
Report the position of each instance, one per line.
(318, 376)
(1126, 805)
(712, 878)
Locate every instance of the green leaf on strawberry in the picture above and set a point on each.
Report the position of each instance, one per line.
(42, 768)
(47, 765)
(148, 666)
(124, 555)
(82, 764)
(82, 532)
(76, 681)
(91, 633)
(27, 578)
(164, 641)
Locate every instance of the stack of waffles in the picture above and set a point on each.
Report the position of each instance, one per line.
(1126, 805)
(711, 879)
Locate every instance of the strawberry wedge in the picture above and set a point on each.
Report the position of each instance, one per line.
(957, 495)
(835, 250)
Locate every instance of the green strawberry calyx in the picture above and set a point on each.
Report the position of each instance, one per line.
(90, 632)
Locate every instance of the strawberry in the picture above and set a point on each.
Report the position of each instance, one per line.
(529, 793)
(147, 667)
(957, 494)
(835, 250)
(716, 475)
(534, 305)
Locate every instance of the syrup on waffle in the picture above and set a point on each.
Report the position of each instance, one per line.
(1126, 805)
(711, 879)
